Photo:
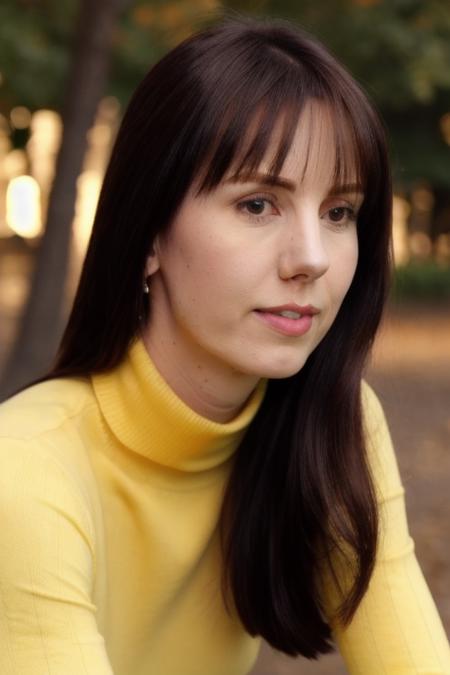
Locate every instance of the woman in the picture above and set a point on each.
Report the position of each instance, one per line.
(204, 464)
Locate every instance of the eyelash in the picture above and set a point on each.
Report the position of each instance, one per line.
(241, 206)
(253, 216)
(351, 216)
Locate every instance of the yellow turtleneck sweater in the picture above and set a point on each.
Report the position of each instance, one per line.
(110, 492)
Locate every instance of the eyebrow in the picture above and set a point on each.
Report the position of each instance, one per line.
(272, 179)
(264, 178)
(346, 189)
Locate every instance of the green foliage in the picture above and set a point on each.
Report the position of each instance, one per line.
(425, 280)
(147, 31)
(35, 38)
(135, 50)
(418, 146)
(398, 49)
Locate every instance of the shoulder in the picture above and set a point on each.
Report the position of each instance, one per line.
(42, 449)
(44, 407)
(379, 446)
(48, 543)
(371, 405)
(43, 505)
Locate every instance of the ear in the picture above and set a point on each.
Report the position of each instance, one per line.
(152, 262)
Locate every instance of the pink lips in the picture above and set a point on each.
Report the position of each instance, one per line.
(286, 325)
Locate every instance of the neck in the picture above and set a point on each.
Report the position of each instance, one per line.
(147, 417)
(211, 390)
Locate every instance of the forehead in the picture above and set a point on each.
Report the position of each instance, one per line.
(312, 154)
(311, 141)
(307, 136)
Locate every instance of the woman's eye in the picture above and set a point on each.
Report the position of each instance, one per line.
(341, 214)
(257, 206)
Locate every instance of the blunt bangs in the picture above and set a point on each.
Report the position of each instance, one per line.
(264, 90)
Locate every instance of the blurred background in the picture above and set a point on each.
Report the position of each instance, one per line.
(67, 70)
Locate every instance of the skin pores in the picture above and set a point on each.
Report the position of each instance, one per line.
(244, 247)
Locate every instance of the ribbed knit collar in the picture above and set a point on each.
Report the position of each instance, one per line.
(148, 417)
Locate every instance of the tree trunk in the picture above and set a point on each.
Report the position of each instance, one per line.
(42, 321)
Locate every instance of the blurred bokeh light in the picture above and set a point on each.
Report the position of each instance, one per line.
(23, 206)
(26, 175)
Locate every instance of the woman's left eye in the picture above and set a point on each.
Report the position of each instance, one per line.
(341, 214)
(257, 207)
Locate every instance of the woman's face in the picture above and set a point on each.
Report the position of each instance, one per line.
(236, 257)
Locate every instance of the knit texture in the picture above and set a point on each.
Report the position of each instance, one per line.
(110, 494)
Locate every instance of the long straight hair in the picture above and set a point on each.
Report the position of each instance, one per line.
(300, 486)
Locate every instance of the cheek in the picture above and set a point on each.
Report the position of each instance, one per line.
(351, 262)
(202, 274)
(216, 267)
(345, 260)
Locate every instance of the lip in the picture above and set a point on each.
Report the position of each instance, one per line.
(292, 307)
(284, 325)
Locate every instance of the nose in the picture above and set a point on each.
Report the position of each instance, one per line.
(303, 254)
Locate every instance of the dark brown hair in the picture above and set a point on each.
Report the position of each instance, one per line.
(300, 486)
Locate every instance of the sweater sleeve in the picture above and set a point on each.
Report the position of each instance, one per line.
(396, 629)
(47, 617)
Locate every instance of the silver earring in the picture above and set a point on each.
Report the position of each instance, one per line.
(146, 287)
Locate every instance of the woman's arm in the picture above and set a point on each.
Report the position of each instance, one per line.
(47, 618)
(396, 629)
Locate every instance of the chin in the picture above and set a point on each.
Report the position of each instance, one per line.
(278, 371)
(281, 374)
